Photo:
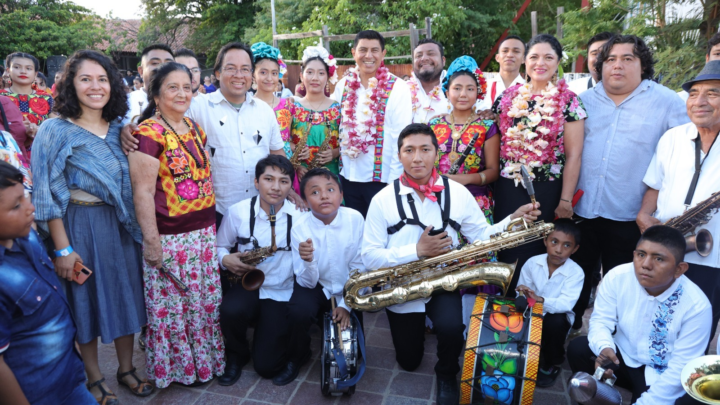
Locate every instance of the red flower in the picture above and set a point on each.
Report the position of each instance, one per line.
(162, 313)
(208, 188)
(210, 308)
(32, 118)
(160, 371)
(207, 255)
(193, 275)
(181, 257)
(39, 105)
(163, 292)
(23, 97)
(204, 373)
(211, 288)
(442, 132)
(190, 369)
(178, 164)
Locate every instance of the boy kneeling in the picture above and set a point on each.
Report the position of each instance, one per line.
(555, 280)
(325, 247)
(661, 319)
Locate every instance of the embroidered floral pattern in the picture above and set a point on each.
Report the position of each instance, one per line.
(304, 120)
(35, 107)
(184, 341)
(658, 336)
(284, 119)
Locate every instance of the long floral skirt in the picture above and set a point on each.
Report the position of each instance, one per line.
(184, 342)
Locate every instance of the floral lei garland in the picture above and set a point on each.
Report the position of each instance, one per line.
(414, 86)
(533, 140)
(354, 144)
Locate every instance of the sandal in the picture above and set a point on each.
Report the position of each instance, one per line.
(108, 398)
(143, 387)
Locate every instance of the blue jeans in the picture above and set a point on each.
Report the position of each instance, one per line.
(80, 396)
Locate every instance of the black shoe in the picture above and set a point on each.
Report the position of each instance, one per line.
(546, 378)
(233, 371)
(447, 391)
(291, 371)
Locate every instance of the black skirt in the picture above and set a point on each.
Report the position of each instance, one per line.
(508, 199)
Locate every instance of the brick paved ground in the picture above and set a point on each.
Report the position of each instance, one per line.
(383, 383)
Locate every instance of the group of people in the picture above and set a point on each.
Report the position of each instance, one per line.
(155, 205)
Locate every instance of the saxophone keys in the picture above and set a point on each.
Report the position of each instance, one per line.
(399, 295)
(449, 283)
(425, 289)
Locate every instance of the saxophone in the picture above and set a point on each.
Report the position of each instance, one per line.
(295, 158)
(702, 240)
(323, 147)
(460, 268)
(253, 279)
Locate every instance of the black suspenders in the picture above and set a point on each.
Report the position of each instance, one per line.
(251, 239)
(404, 220)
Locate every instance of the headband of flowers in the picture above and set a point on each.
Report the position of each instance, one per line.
(261, 50)
(466, 64)
(318, 51)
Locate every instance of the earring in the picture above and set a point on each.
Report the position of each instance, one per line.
(254, 85)
(555, 78)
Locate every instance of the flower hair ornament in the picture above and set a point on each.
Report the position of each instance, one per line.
(466, 64)
(261, 50)
(322, 53)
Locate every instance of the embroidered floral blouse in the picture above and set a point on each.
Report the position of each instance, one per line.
(313, 124)
(549, 165)
(282, 113)
(184, 196)
(35, 107)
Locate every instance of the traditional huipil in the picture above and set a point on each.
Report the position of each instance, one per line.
(315, 126)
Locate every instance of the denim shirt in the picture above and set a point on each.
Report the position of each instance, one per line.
(620, 141)
(37, 331)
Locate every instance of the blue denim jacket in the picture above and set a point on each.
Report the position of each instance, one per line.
(37, 331)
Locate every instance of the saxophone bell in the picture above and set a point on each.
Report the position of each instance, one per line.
(700, 242)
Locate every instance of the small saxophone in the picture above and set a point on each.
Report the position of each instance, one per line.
(323, 147)
(253, 279)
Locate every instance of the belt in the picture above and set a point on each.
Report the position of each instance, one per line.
(87, 204)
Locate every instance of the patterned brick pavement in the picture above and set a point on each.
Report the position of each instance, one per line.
(383, 383)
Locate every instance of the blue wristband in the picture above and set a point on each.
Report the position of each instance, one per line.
(64, 252)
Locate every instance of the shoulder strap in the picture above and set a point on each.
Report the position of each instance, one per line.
(289, 229)
(395, 228)
(245, 241)
(446, 212)
(404, 220)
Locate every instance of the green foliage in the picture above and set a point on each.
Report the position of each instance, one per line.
(47, 27)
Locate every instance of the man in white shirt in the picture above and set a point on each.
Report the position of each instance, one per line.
(670, 176)
(248, 225)
(577, 86)
(326, 248)
(713, 53)
(649, 319)
(188, 58)
(428, 99)
(388, 241)
(510, 56)
(150, 59)
(370, 128)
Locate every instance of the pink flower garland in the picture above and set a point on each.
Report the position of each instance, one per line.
(532, 142)
(353, 143)
(414, 86)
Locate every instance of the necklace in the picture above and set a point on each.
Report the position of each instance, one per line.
(198, 144)
(458, 134)
(316, 110)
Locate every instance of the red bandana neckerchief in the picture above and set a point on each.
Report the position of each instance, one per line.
(427, 189)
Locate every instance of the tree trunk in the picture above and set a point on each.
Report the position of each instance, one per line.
(711, 18)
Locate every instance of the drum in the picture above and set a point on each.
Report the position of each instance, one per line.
(501, 353)
(331, 370)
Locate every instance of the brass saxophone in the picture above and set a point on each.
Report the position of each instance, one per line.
(460, 268)
(295, 158)
(702, 240)
(253, 279)
(323, 147)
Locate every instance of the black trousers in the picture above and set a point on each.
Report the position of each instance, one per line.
(241, 308)
(708, 279)
(581, 358)
(408, 334)
(603, 242)
(508, 199)
(306, 307)
(359, 194)
(218, 220)
(552, 343)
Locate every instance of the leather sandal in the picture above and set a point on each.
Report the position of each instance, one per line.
(143, 387)
(108, 398)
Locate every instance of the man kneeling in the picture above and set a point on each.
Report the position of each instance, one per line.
(661, 321)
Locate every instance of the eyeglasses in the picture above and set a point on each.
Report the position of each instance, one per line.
(232, 70)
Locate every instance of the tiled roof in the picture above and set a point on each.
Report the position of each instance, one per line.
(123, 34)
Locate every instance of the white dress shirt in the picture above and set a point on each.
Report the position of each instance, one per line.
(398, 115)
(671, 171)
(679, 319)
(487, 102)
(578, 86)
(429, 108)
(684, 95)
(337, 251)
(137, 101)
(278, 268)
(380, 250)
(233, 145)
(560, 291)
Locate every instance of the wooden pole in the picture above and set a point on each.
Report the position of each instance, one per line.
(559, 30)
(274, 26)
(533, 22)
(428, 32)
(325, 38)
(414, 38)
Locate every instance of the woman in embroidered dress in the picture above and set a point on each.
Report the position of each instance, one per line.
(36, 105)
(316, 116)
(269, 69)
(175, 205)
(542, 126)
(82, 195)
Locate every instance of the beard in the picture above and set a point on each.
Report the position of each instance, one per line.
(429, 75)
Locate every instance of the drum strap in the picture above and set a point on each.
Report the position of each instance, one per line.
(342, 364)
